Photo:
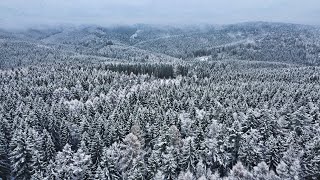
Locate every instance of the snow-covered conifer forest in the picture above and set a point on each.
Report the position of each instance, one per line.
(140, 102)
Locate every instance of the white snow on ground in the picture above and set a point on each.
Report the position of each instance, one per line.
(43, 46)
(203, 58)
(135, 35)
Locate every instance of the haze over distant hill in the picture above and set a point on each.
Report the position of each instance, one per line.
(258, 41)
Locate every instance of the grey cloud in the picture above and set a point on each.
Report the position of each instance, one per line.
(16, 13)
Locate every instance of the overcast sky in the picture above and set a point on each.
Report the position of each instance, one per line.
(23, 13)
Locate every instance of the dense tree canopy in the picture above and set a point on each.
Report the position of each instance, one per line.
(237, 120)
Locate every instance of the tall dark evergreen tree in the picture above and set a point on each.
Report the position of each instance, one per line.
(4, 157)
(21, 156)
(48, 150)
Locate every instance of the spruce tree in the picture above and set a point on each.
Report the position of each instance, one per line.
(188, 157)
(4, 157)
(48, 150)
(62, 166)
(169, 164)
(21, 156)
(239, 172)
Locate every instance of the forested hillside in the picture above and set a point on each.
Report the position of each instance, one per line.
(237, 102)
(259, 41)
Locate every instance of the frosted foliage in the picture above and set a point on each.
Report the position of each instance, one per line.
(155, 102)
